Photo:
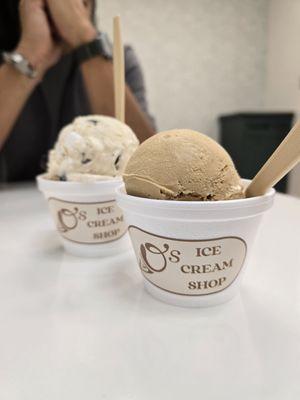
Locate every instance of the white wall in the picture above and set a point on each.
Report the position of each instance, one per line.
(201, 58)
(283, 64)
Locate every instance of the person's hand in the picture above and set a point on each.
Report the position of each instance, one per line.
(37, 43)
(72, 21)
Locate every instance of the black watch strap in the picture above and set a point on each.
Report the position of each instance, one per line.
(100, 46)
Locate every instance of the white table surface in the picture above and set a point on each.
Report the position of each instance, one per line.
(74, 328)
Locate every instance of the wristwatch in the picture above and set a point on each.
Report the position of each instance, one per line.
(20, 63)
(101, 46)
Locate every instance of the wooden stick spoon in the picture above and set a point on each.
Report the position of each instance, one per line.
(119, 71)
(282, 161)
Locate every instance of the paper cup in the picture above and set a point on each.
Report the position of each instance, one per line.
(193, 253)
(87, 218)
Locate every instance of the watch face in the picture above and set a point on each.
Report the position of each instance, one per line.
(20, 63)
(17, 58)
(13, 58)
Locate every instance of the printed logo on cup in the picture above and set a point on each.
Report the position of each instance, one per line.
(88, 223)
(188, 267)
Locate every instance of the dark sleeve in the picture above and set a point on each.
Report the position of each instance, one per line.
(135, 80)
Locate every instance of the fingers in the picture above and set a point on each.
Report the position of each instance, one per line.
(27, 4)
(39, 2)
(30, 8)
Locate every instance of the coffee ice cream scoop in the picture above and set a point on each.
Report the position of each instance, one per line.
(182, 164)
(91, 148)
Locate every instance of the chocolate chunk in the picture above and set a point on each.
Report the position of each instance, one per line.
(84, 160)
(93, 121)
(63, 178)
(117, 160)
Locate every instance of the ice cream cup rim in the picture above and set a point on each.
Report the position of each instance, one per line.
(191, 205)
(45, 184)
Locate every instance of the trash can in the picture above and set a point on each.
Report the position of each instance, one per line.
(250, 138)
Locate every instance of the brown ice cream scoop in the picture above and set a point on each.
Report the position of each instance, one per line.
(182, 164)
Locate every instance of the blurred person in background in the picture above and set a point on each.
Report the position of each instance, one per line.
(56, 66)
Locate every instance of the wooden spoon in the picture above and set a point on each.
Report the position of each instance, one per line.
(119, 71)
(281, 162)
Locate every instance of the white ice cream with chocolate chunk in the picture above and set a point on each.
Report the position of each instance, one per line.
(91, 148)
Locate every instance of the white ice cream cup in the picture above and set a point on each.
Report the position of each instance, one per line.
(193, 253)
(87, 218)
